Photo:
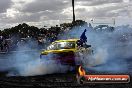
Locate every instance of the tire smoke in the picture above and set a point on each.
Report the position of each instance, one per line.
(28, 63)
(112, 50)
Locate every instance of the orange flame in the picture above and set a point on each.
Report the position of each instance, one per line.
(81, 71)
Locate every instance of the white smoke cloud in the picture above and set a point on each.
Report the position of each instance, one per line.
(26, 62)
(111, 49)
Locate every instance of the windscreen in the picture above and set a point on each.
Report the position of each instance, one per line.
(62, 45)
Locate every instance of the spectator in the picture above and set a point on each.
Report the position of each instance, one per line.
(1, 43)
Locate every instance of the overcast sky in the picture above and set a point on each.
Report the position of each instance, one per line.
(52, 12)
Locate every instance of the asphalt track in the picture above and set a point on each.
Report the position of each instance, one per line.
(54, 80)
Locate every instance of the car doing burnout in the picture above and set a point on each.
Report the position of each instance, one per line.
(65, 51)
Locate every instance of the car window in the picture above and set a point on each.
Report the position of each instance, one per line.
(66, 45)
(52, 47)
(61, 45)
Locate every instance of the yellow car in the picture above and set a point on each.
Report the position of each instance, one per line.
(64, 51)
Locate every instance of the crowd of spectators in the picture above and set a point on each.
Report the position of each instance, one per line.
(39, 42)
(34, 37)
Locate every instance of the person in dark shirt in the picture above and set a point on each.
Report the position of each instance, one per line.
(83, 37)
(83, 40)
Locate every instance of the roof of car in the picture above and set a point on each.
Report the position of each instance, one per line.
(68, 40)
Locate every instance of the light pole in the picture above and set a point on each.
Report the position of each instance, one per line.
(73, 11)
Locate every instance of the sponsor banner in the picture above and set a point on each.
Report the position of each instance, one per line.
(107, 78)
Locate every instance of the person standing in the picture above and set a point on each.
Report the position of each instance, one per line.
(83, 37)
(1, 43)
